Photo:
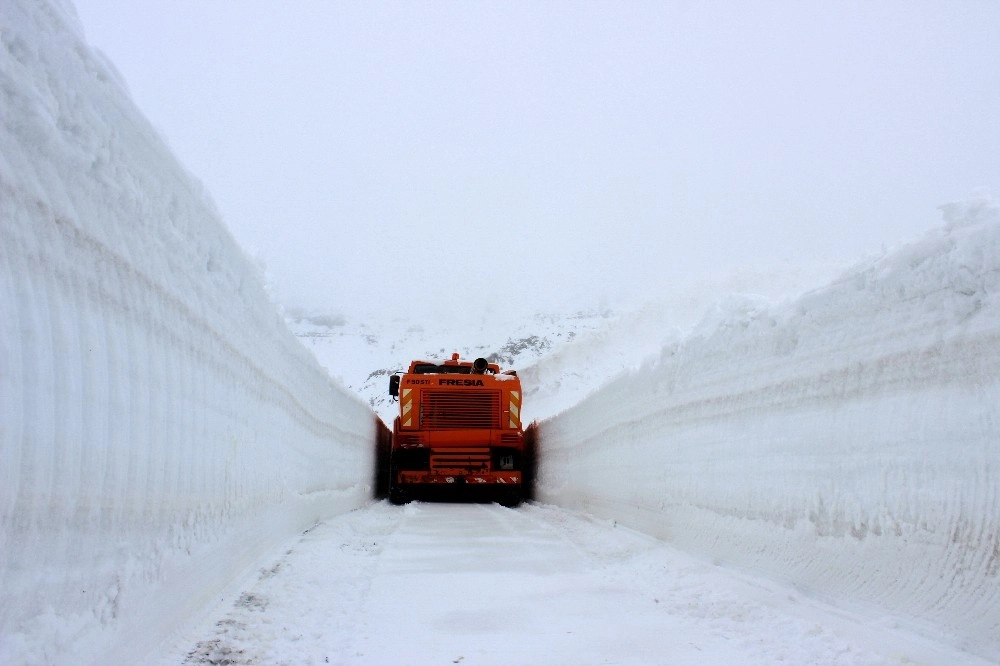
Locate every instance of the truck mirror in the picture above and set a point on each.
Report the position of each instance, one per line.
(394, 386)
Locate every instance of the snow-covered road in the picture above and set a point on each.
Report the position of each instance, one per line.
(482, 584)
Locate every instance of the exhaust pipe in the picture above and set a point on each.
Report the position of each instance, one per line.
(479, 366)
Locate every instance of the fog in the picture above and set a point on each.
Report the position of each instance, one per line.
(410, 156)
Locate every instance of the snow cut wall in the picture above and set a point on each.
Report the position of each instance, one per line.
(160, 428)
(847, 442)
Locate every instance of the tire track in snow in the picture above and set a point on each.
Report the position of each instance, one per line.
(304, 608)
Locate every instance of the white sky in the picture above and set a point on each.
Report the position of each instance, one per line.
(401, 155)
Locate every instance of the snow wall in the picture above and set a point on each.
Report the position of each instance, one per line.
(160, 428)
(847, 442)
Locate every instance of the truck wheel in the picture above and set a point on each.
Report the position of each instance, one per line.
(398, 496)
(383, 448)
(510, 497)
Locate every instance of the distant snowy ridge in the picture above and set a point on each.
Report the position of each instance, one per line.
(160, 427)
(365, 351)
(846, 442)
(568, 373)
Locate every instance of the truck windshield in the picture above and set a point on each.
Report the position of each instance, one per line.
(431, 369)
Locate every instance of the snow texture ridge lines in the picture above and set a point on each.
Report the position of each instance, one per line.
(845, 442)
(154, 403)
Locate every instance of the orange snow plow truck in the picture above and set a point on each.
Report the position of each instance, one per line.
(458, 432)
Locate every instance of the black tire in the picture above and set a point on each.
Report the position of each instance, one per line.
(398, 495)
(531, 442)
(510, 497)
(383, 448)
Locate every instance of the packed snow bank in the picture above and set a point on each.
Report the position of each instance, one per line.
(154, 404)
(846, 442)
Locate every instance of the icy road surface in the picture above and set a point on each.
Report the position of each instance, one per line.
(483, 584)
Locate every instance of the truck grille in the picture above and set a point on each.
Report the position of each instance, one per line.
(460, 461)
(460, 409)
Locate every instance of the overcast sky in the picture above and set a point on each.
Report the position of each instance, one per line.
(400, 155)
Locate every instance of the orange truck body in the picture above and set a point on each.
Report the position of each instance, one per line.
(458, 431)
